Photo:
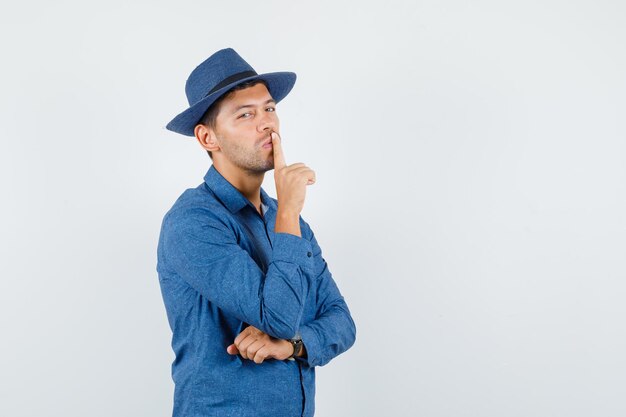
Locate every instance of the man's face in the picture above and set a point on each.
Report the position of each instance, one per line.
(243, 125)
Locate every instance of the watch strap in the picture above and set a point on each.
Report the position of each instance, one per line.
(297, 347)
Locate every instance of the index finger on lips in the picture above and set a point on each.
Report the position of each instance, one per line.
(277, 148)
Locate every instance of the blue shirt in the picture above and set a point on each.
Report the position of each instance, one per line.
(222, 267)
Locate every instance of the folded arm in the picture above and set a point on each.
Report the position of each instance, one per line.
(333, 331)
(204, 252)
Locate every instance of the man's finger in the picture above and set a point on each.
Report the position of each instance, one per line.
(244, 333)
(254, 348)
(277, 148)
(260, 355)
(243, 345)
(232, 349)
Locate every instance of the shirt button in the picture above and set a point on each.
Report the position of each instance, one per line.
(309, 254)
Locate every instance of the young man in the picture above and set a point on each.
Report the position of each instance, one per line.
(250, 300)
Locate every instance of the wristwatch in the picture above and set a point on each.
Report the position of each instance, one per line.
(297, 344)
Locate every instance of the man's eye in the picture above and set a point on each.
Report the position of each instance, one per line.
(271, 109)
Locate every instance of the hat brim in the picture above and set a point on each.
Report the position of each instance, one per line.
(279, 85)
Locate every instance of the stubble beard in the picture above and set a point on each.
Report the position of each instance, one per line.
(255, 162)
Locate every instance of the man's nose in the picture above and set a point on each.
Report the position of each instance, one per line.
(267, 123)
(267, 126)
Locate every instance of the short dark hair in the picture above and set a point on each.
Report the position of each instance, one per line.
(209, 118)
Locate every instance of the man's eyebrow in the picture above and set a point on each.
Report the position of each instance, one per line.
(271, 100)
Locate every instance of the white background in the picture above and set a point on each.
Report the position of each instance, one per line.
(470, 197)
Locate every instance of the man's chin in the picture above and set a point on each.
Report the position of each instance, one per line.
(263, 168)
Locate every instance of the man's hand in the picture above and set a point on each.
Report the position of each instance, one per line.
(291, 180)
(256, 345)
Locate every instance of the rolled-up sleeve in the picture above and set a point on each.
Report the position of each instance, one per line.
(203, 250)
(333, 331)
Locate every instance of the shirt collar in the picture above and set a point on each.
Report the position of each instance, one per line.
(230, 196)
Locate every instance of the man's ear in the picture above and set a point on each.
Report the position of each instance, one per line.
(206, 137)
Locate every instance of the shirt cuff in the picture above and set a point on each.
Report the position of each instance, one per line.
(311, 343)
(292, 248)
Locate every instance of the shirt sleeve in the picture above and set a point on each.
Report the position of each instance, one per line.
(333, 331)
(203, 250)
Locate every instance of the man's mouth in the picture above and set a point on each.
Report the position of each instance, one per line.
(268, 143)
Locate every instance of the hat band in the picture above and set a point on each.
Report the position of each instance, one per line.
(231, 79)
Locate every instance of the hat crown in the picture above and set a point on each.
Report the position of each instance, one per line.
(212, 72)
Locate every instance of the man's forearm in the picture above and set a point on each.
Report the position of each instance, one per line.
(329, 335)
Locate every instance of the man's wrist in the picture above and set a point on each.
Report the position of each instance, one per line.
(298, 347)
(287, 222)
